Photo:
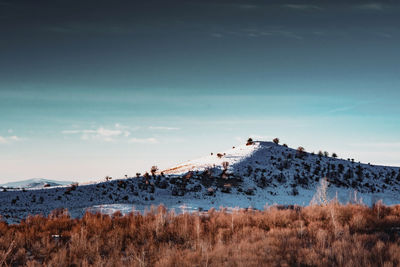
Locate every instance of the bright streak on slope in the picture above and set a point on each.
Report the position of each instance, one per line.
(232, 156)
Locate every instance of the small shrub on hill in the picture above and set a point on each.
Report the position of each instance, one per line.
(249, 142)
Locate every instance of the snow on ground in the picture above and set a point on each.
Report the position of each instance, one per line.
(259, 175)
(232, 156)
(35, 183)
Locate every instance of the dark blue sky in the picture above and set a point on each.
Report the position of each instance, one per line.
(156, 82)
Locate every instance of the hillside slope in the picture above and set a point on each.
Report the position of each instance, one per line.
(248, 175)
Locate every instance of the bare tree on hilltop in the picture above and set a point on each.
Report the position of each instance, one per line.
(250, 142)
(153, 170)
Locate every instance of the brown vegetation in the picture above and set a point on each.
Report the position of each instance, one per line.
(331, 235)
(249, 142)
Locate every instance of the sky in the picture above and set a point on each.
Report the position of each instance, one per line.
(96, 88)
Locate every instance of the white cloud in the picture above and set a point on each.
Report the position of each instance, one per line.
(150, 140)
(71, 131)
(3, 140)
(9, 139)
(102, 134)
(124, 127)
(118, 132)
(14, 138)
(10, 130)
(165, 128)
(107, 132)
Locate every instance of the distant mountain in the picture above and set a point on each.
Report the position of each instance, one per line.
(250, 175)
(35, 183)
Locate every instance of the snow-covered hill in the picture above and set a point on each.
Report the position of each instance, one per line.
(248, 175)
(35, 183)
(266, 163)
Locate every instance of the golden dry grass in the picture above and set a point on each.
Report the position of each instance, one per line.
(332, 235)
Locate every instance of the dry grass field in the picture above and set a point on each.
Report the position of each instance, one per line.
(330, 235)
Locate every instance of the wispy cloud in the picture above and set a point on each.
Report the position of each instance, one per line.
(150, 140)
(3, 140)
(118, 132)
(120, 126)
(9, 139)
(302, 7)
(71, 131)
(373, 6)
(384, 35)
(342, 109)
(102, 134)
(350, 107)
(163, 128)
(287, 34)
(259, 33)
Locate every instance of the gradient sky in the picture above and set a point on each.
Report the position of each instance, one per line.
(96, 88)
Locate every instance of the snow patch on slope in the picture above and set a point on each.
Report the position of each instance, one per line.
(232, 156)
